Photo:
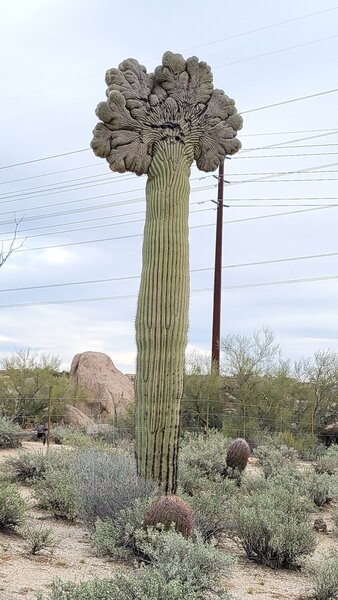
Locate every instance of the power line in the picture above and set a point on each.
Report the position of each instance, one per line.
(28, 162)
(231, 37)
(245, 112)
(318, 207)
(199, 290)
(52, 173)
(100, 164)
(285, 155)
(126, 278)
(267, 106)
(278, 51)
(286, 132)
(257, 30)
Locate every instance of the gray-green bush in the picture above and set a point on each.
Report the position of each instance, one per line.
(38, 538)
(272, 526)
(326, 580)
(9, 434)
(319, 488)
(56, 492)
(271, 458)
(328, 462)
(180, 569)
(25, 467)
(107, 483)
(12, 507)
(116, 537)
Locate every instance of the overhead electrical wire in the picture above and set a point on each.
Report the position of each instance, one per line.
(265, 107)
(277, 51)
(131, 277)
(213, 42)
(194, 291)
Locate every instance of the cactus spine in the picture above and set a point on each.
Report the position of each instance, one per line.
(158, 124)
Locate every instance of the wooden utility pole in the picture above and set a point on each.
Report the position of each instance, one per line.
(216, 319)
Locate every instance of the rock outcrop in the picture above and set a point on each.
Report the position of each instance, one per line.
(74, 416)
(100, 389)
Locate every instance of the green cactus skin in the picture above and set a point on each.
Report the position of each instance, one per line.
(158, 124)
(162, 314)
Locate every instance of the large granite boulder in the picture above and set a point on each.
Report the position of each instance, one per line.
(75, 416)
(100, 389)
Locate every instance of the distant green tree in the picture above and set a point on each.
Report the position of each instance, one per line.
(202, 407)
(26, 381)
(318, 380)
(248, 367)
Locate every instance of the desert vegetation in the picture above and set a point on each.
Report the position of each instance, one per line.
(193, 545)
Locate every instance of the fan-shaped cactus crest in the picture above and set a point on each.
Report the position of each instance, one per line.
(157, 124)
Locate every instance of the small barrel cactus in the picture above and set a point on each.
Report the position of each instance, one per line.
(238, 454)
(171, 509)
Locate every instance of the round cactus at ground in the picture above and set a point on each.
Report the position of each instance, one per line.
(238, 454)
(171, 509)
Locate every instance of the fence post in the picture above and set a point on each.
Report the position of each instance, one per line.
(49, 415)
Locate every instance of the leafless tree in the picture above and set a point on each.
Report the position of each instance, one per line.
(5, 254)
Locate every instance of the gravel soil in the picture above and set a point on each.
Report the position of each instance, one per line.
(22, 575)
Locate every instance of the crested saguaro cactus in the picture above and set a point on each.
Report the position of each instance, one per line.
(157, 124)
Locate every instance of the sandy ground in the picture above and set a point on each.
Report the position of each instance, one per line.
(21, 575)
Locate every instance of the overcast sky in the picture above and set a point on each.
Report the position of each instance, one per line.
(53, 57)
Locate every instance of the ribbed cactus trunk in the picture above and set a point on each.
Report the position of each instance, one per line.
(157, 124)
(162, 315)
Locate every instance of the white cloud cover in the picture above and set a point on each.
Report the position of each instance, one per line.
(53, 57)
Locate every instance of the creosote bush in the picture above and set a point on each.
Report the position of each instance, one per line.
(38, 538)
(206, 455)
(12, 507)
(318, 487)
(26, 466)
(326, 580)
(117, 538)
(272, 525)
(272, 458)
(211, 514)
(179, 569)
(328, 462)
(56, 492)
(171, 509)
(9, 434)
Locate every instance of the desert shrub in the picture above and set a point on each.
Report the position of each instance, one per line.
(190, 561)
(210, 513)
(328, 462)
(208, 455)
(272, 458)
(335, 522)
(12, 507)
(180, 569)
(272, 525)
(26, 466)
(145, 584)
(38, 538)
(238, 454)
(326, 580)
(56, 492)
(116, 537)
(307, 445)
(58, 434)
(171, 509)
(9, 434)
(107, 482)
(318, 487)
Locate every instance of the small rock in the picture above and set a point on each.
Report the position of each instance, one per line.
(320, 525)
